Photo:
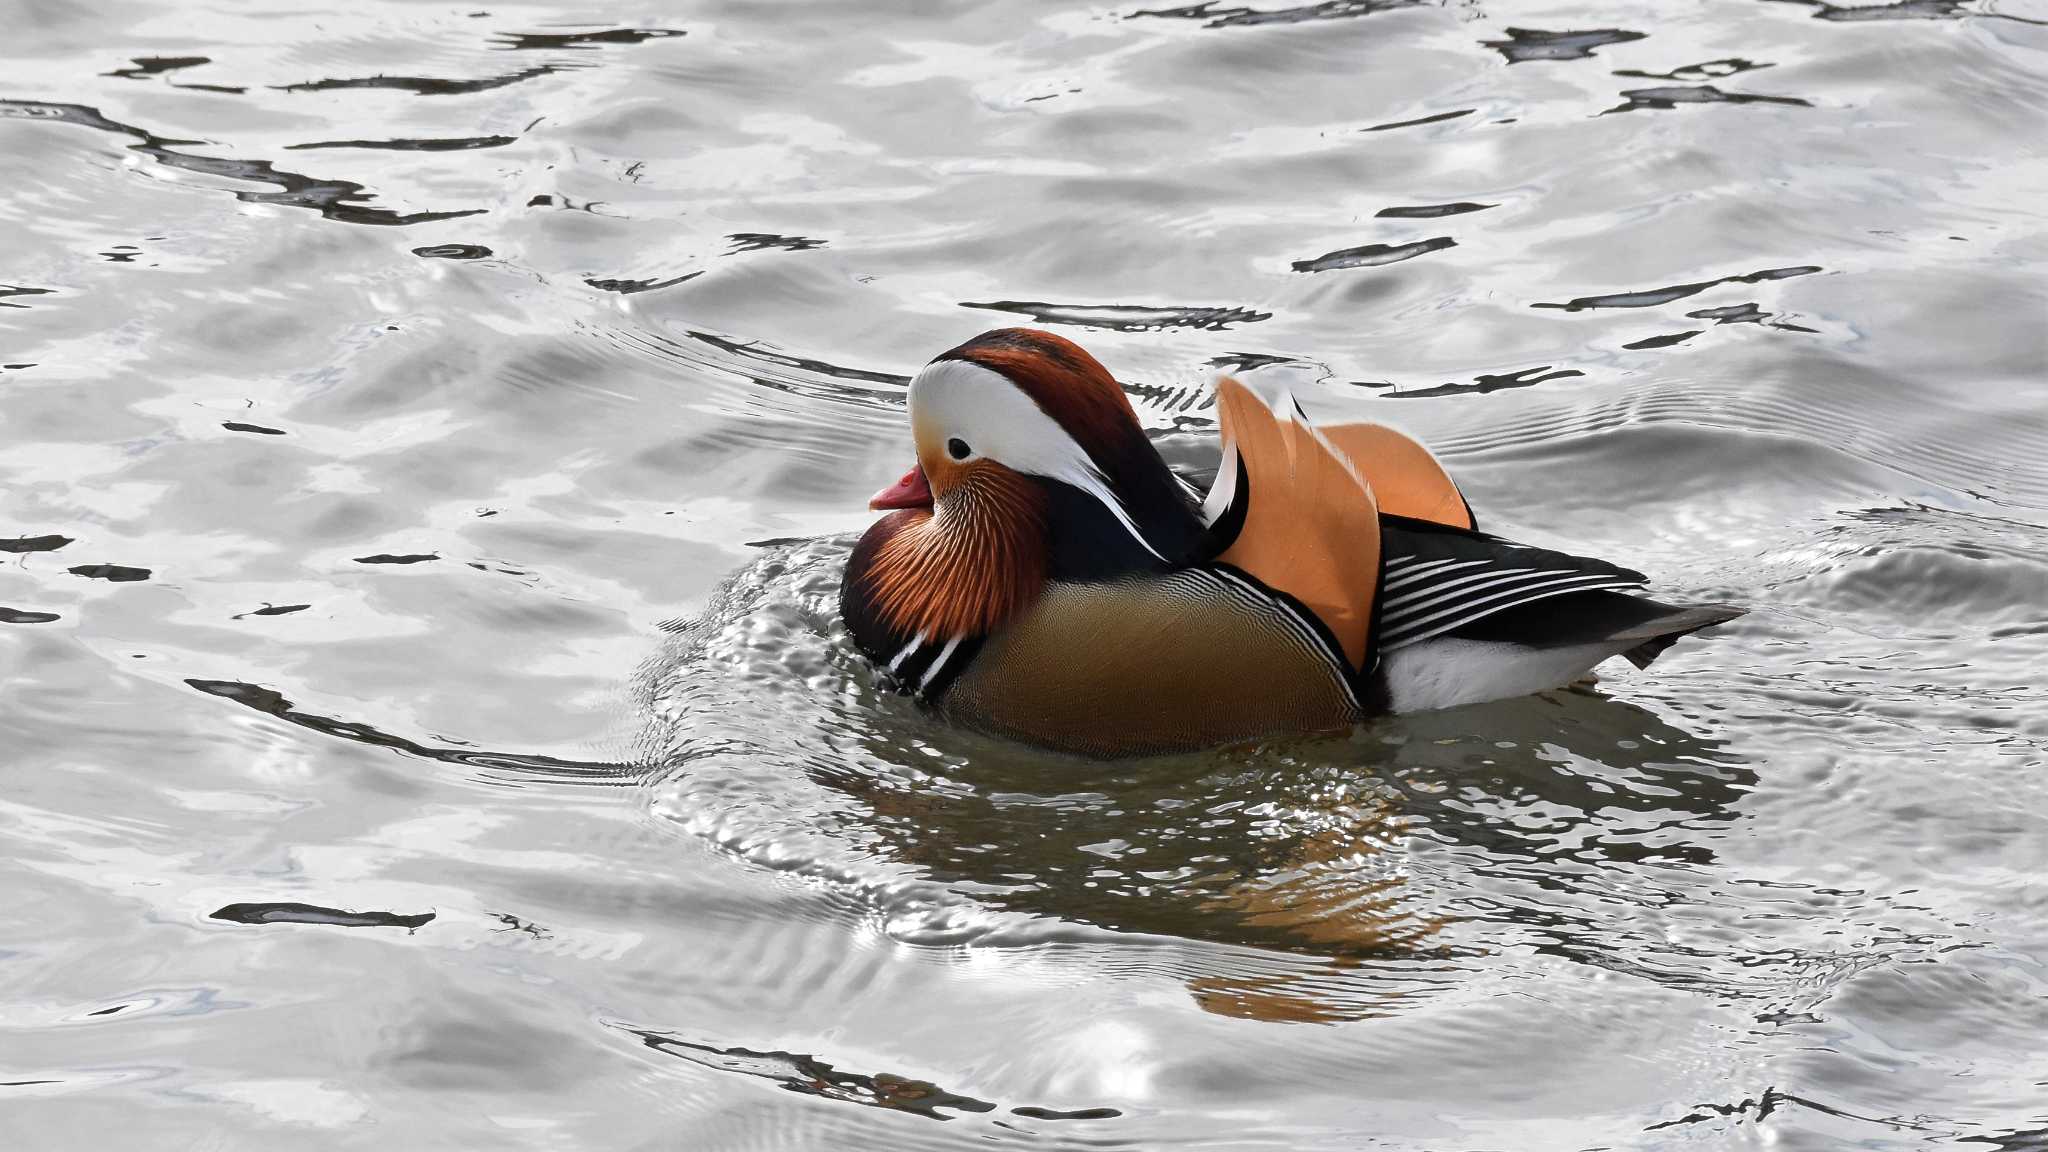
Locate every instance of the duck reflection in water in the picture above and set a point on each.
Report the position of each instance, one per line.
(1305, 878)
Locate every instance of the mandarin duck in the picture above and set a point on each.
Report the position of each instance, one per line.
(1044, 575)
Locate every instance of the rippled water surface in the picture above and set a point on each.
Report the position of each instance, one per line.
(431, 435)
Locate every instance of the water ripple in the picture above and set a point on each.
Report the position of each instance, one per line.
(1653, 297)
(810, 1076)
(428, 85)
(443, 144)
(583, 41)
(1435, 118)
(334, 199)
(1124, 317)
(1432, 211)
(1376, 255)
(1215, 14)
(1706, 70)
(1526, 44)
(506, 767)
(1665, 99)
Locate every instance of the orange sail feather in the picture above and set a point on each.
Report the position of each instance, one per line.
(1311, 528)
(1405, 478)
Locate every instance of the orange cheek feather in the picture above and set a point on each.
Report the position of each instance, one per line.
(972, 564)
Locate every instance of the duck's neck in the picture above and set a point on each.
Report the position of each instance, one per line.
(1089, 542)
(966, 568)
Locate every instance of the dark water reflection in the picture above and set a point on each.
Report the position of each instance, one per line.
(431, 435)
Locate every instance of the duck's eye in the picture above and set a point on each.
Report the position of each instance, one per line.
(958, 449)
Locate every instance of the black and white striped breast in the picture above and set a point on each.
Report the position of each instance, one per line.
(925, 666)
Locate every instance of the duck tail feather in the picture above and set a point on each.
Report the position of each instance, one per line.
(1664, 631)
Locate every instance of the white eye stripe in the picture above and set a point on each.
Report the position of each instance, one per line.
(958, 399)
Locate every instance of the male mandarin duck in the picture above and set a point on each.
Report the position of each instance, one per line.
(1044, 575)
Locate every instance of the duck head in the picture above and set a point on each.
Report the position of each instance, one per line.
(1031, 466)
